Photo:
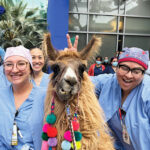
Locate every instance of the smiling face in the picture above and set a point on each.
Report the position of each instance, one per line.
(128, 81)
(37, 59)
(17, 70)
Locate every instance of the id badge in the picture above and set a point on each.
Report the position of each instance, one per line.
(126, 137)
(14, 140)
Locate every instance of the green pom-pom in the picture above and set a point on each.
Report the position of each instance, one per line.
(78, 135)
(44, 136)
(51, 119)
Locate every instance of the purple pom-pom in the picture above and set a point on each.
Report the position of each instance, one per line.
(52, 142)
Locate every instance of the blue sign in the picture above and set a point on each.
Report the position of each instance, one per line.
(57, 19)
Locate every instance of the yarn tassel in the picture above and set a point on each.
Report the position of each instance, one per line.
(71, 126)
(44, 145)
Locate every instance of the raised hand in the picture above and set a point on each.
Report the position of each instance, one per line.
(70, 46)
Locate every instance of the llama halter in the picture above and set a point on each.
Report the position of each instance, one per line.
(72, 137)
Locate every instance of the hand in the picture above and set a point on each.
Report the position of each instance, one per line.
(75, 45)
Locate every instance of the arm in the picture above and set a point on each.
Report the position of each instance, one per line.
(99, 81)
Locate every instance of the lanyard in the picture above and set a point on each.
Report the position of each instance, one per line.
(125, 134)
(14, 140)
(120, 115)
(19, 132)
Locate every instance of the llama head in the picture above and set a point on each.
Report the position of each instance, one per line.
(69, 67)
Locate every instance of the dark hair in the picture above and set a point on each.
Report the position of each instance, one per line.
(112, 59)
(99, 57)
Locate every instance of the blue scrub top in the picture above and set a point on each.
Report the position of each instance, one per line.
(44, 81)
(29, 119)
(137, 107)
(115, 125)
(3, 80)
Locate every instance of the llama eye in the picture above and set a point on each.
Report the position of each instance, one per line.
(55, 68)
(81, 68)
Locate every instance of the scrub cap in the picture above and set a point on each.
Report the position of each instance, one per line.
(135, 54)
(18, 51)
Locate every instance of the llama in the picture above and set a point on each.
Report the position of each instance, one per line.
(70, 85)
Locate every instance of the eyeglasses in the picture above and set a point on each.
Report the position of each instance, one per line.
(135, 71)
(20, 65)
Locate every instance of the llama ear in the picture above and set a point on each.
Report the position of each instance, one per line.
(51, 52)
(91, 48)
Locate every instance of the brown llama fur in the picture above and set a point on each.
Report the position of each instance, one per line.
(95, 132)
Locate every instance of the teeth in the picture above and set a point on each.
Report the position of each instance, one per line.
(36, 65)
(128, 81)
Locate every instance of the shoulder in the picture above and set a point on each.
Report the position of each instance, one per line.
(146, 88)
(146, 95)
(148, 70)
(5, 97)
(146, 80)
(5, 91)
(3, 80)
(93, 65)
(46, 74)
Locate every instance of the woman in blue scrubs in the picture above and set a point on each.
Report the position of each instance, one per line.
(39, 78)
(21, 104)
(125, 99)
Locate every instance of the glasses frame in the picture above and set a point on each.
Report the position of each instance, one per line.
(129, 69)
(16, 65)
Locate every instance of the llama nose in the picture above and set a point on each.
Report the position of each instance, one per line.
(71, 81)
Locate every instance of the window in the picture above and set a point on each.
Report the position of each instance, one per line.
(120, 23)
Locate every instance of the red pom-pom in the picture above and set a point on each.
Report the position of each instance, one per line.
(52, 132)
(75, 125)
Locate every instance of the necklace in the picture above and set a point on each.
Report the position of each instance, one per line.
(72, 137)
